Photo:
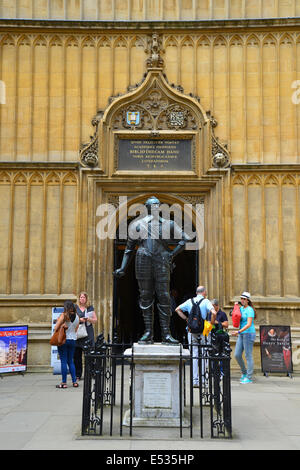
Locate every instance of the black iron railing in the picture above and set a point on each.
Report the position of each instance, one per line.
(108, 390)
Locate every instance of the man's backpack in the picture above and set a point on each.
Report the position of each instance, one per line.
(195, 321)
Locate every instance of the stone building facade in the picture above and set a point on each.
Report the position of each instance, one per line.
(68, 67)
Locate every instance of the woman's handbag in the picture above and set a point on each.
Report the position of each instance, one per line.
(81, 332)
(236, 316)
(59, 336)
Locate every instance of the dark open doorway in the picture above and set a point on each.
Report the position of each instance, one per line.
(128, 323)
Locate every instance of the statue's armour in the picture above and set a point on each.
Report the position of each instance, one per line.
(153, 255)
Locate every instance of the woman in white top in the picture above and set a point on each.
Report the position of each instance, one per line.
(66, 352)
(87, 315)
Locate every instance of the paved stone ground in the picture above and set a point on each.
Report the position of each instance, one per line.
(34, 415)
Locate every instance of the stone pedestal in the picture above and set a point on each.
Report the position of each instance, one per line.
(156, 400)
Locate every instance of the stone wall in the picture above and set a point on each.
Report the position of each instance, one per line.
(148, 10)
(57, 75)
(56, 82)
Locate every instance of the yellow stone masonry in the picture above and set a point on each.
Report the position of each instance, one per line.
(55, 83)
(148, 10)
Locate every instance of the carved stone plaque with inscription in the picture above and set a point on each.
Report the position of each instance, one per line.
(157, 390)
(146, 154)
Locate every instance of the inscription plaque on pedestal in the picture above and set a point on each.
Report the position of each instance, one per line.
(146, 154)
(157, 390)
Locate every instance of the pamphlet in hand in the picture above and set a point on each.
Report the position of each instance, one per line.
(88, 315)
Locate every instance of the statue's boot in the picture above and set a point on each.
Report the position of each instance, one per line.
(147, 337)
(164, 320)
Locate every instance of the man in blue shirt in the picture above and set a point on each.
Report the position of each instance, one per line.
(206, 308)
(221, 319)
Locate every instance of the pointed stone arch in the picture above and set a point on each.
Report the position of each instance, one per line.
(24, 40)
(36, 179)
(56, 41)
(192, 211)
(105, 41)
(252, 40)
(88, 41)
(72, 41)
(236, 40)
(120, 41)
(53, 178)
(254, 180)
(69, 179)
(171, 41)
(269, 40)
(5, 177)
(203, 41)
(8, 40)
(20, 179)
(286, 39)
(40, 41)
(187, 41)
(238, 180)
(271, 180)
(220, 41)
(137, 41)
(288, 180)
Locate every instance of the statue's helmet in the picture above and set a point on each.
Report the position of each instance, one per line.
(152, 202)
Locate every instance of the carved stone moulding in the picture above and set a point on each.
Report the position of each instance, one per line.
(220, 155)
(48, 177)
(88, 153)
(219, 152)
(156, 111)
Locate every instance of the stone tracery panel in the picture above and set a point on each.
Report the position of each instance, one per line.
(40, 214)
(265, 251)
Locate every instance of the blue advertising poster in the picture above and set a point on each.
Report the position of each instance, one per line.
(13, 348)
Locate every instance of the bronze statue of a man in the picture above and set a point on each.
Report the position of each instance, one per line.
(153, 265)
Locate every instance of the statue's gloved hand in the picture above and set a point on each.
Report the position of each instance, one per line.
(119, 273)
